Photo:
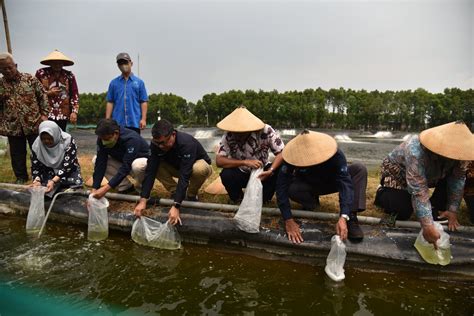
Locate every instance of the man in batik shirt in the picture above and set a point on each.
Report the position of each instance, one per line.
(61, 87)
(23, 106)
(245, 146)
(437, 158)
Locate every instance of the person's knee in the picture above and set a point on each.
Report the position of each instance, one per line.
(202, 169)
(139, 165)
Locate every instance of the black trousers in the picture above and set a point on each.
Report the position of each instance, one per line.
(18, 154)
(395, 201)
(61, 123)
(234, 180)
(134, 129)
(470, 206)
(308, 195)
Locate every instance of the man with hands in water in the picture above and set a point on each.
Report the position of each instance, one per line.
(174, 154)
(245, 146)
(314, 166)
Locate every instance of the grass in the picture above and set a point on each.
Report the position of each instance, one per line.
(329, 203)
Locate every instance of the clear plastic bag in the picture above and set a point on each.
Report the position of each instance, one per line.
(442, 255)
(148, 232)
(98, 228)
(336, 259)
(249, 213)
(36, 212)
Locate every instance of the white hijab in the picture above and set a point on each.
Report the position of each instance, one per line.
(51, 156)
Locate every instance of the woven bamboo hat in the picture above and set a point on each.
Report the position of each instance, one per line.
(309, 148)
(453, 140)
(241, 120)
(57, 55)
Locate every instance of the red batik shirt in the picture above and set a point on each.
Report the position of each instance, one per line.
(67, 101)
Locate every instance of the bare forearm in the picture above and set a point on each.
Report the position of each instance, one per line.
(144, 107)
(108, 109)
(224, 162)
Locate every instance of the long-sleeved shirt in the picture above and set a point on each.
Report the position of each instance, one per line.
(22, 103)
(414, 168)
(67, 100)
(182, 156)
(129, 147)
(332, 172)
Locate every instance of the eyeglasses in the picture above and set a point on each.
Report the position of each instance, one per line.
(163, 142)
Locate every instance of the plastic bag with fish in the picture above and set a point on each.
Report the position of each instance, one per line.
(336, 259)
(442, 255)
(36, 212)
(98, 226)
(249, 213)
(148, 232)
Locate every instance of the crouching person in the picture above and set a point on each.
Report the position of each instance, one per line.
(246, 145)
(54, 161)
(314, 166)
(120, 152)
(437, 158)
(174, 155)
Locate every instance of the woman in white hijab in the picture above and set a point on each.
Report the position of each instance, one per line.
(54, 162)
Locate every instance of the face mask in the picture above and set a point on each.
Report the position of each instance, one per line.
(109, 143)
(125, 68)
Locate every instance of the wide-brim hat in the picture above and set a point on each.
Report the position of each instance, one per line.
(241, 120)
(309, 148)
(55, 56)
(216, 187)
(453, 140)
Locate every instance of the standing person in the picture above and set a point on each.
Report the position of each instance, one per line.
(246, 145)
(314, 166)
(23, 106)
(120, 152)
(174, 155)
(61, 88)
(437, 158)
(469, 191)
(54, 162)
(127, 100)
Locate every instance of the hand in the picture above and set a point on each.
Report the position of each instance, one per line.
(173, 216)
(293, 231)
(253, 163)
(44, 118)
(54, 91)
(141, 206)
(35, 183)
(100, 193)
(73, 118)
(265, 174)
(341, 228)
(431, 234)
(452, 217)
(50, 186)
(142, 124)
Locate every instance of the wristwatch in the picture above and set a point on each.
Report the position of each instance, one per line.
(177, 205)
(345, 216)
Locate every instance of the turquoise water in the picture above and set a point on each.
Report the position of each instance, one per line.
(66, 272)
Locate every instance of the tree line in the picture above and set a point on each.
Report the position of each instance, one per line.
(316, 108)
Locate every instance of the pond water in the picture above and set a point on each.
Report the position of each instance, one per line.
(63, 273)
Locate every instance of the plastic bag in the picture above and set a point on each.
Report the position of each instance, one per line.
(249, 213)
(98, 228)
(36, 212)
(148, 232)
(426, 250)
(336, 259)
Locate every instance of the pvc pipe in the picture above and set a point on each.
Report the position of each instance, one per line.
(233, 208)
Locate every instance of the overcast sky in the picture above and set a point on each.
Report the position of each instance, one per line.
(191, 48)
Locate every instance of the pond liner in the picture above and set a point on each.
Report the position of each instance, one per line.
(383, 248)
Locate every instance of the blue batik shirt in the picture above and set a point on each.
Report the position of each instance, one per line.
(127, 97)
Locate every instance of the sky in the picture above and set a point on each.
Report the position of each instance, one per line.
(191, 48)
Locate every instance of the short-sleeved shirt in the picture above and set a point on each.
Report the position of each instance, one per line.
(257, 146)
(22, 103)
(127, 97)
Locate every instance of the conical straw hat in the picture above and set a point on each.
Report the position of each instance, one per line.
(452, 140)
(241, 120)
(309, 148)
(216, 187)
(57, 55)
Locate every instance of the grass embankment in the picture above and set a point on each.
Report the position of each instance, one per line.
(329, 203)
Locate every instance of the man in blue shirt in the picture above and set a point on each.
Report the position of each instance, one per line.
(314, 166)
(127, 99)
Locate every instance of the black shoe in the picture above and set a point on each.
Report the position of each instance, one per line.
(354, 233)
(192, 198)
(130, 190)
(21, 181)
